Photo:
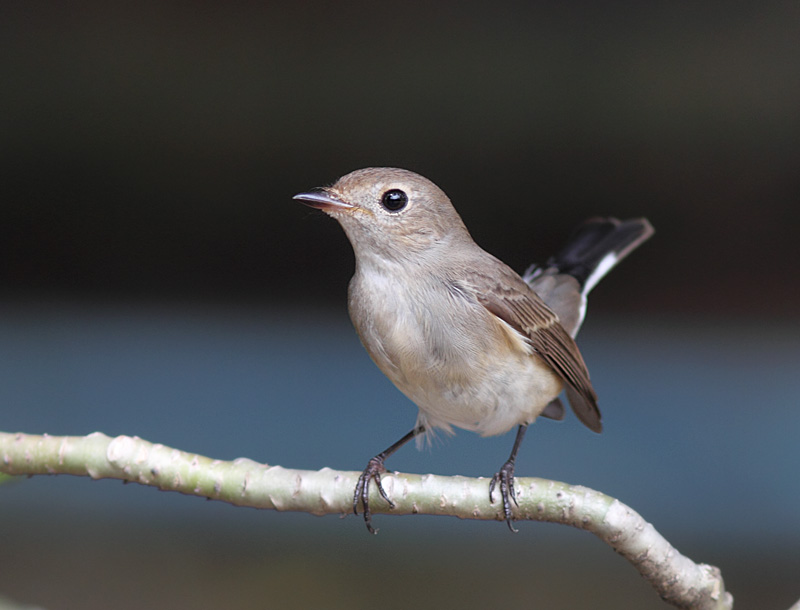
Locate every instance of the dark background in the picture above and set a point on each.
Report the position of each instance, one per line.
(152, 149)
(157, 279)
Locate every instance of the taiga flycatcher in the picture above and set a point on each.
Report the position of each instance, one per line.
(472, 343)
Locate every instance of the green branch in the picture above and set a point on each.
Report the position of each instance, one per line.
(243, 482)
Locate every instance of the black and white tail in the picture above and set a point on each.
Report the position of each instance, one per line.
(593, 249)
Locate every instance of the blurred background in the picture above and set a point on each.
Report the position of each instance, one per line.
(158, 280)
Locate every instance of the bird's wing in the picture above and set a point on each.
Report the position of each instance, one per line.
(506, 296)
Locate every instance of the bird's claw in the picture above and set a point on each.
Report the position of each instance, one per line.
(372, 472)
(505, 476)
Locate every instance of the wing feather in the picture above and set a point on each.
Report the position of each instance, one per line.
(511, 300)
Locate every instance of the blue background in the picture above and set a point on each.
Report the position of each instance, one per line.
(700, 431)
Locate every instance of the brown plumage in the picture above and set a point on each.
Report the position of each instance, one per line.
(467, 339)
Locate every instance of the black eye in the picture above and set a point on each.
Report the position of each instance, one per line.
(394, 200)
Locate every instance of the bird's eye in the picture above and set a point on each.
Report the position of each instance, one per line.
(394, 200)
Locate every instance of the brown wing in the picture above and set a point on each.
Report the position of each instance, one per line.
(511, 300)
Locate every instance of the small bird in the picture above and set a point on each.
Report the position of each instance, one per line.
(468, 340)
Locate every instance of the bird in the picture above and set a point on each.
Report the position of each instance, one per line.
(471, 342)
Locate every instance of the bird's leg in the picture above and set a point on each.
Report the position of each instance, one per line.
(505, 476)
(373, 471)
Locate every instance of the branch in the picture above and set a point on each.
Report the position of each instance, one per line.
(243, 482)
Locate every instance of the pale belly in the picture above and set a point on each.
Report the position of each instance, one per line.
(473, 372)
(492, 403)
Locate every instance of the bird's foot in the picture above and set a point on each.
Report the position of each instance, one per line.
(505, 477)
(372, 472)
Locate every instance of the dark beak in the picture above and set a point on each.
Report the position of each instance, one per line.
(322, 200)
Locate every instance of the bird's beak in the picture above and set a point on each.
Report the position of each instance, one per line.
(323, 200)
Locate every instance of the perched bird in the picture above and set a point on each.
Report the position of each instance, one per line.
(462, 335)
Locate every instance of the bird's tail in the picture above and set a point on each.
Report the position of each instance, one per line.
(593, 249)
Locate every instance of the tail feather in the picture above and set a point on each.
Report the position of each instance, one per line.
(593, 249)
(596, 246)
